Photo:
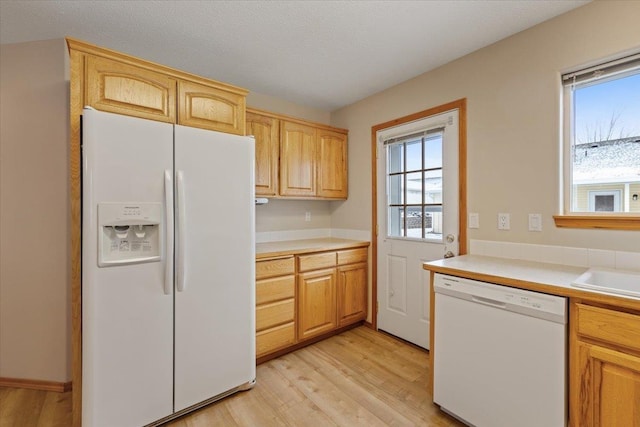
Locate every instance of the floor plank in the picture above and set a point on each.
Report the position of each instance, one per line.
(360, 377)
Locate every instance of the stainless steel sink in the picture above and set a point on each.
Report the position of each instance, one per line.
(611, 281)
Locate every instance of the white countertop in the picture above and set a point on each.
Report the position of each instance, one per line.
(553, 279)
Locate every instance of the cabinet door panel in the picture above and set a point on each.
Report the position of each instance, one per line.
(266, 132)
(316, 303)
(352, 293)
(332, 164)
(616, 388)
(297, 160)
(212, 108)
(122, 88)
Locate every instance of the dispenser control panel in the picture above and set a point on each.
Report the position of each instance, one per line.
(129, 233)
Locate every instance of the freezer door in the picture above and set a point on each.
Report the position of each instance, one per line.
(215, 264)
(127, 316)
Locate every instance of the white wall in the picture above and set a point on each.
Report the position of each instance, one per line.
(34, 212)
(513, 97)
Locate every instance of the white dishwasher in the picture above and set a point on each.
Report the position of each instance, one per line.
(500, 354)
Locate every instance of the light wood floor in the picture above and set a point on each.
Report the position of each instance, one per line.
(360, 377)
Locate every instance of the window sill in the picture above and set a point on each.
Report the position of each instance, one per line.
(609, 222)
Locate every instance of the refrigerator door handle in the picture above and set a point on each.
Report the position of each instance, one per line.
(168, 249)
(181, 234)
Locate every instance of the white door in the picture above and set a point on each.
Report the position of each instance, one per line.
(215, 264)
(417, 218)
(127, 317)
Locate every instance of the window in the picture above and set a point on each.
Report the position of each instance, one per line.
(414, 185)
(602, 140)
(604, 201)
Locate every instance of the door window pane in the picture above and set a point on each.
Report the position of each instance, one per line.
(414, 188)
(433, 152)
(396, 189)
(414, 155)
(395, 158)
(433, 186)
(395, 227)
(433, 222)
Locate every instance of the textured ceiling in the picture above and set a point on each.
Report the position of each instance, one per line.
(322, 54)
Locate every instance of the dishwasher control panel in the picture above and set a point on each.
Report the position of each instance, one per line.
(549, 307)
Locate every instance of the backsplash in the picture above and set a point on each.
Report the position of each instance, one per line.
(577, 257)
(315, 233)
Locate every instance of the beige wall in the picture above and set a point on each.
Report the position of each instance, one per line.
(283, 215)
(513, 94)
(34, 213)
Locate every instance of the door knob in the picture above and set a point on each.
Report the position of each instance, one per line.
(450, 238)
(449, 254)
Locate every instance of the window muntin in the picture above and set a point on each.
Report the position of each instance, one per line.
(414, 186)
(602, 137)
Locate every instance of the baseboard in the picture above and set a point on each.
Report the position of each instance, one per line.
(56, 386)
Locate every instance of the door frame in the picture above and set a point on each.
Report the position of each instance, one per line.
(461, 106)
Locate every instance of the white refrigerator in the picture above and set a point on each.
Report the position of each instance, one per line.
(168, 268)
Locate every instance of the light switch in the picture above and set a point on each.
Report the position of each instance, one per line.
(474, 220)
(535, 222)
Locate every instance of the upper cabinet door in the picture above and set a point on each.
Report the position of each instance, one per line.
(332, 164)
(266, 132)
(209, 107)
(122, 88)
(297, 160)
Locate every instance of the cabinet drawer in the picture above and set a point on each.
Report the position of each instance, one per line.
(618, 328)
(275, 338)
(275, 267)
(274, 313)
(316, 261)
(275, 289)
(352, 255)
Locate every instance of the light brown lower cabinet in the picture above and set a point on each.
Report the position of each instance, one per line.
(352, 293)
(316, 303)
(604, 367)
(306, 296)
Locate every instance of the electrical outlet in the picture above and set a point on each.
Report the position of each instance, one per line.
(504, 221)
(307, 216)
(474, 220)
(535, 222)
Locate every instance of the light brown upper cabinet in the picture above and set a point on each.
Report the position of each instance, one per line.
(332, 164)
(208, 107)
(266, 132)
(122, 88)
(118, 83)
(298, 159)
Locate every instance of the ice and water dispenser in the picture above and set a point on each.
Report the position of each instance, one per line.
(129, 233)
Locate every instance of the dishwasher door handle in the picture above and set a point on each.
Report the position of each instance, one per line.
(488, 301)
